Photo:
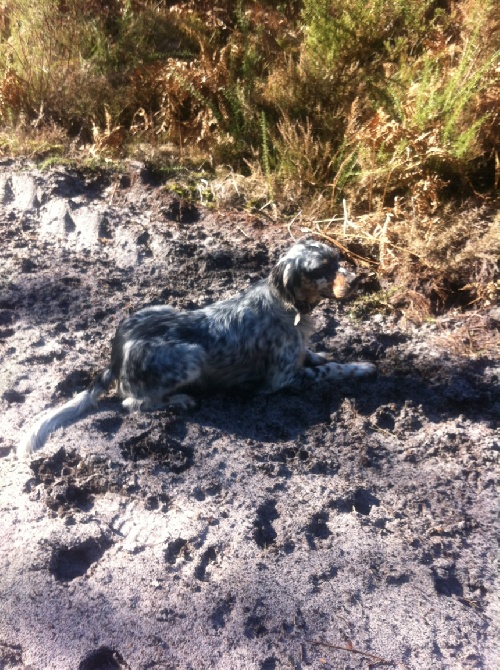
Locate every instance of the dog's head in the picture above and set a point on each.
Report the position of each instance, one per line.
(309, 272)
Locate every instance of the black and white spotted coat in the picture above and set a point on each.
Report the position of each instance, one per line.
(256, 340)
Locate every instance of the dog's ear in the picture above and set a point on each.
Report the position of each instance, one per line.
(288, 275)
(283, 278)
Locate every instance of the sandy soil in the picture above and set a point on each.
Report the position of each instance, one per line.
(352, 526)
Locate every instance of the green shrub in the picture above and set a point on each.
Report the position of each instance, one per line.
(364, 32)
(387, 109)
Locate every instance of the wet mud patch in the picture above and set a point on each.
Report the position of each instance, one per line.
(283, 461)
(72, 383)
(153, 444)
(103, 658)
(71, 482)
(360, 500)
(208, 558)
(178, 548)
(68, 563)
(11, 656)
(264, 533)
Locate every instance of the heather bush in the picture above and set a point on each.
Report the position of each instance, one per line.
(369, 121)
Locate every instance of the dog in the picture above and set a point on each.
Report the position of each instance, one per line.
(255, 341)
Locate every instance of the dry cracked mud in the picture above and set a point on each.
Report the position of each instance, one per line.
(350, 526)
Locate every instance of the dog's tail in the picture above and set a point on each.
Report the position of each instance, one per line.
(54, 419)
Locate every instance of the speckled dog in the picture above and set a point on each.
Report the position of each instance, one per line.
(256, 341)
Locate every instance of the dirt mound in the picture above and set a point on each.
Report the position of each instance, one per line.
(349, 526)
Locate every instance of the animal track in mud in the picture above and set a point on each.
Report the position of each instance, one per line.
(283, 461)
(209, 556)
(12, 395)
(255, 622)
(361, 500)
(254, 627)
(154, 444)
(103, 658)
(169, 615)
(211, 489)
(264, 533)
(160, 501)
(68, 563)
(11, 656)
(397, 580)
(175, 548)
(317, 529)
(446, 582)
(71, 482)
(324, 577)
(223, 610)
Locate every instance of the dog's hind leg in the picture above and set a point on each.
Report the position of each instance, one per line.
(155, 374)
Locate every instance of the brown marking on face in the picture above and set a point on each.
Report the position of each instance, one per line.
(312, 291)
(344, 284)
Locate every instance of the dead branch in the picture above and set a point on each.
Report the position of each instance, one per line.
(352, 650)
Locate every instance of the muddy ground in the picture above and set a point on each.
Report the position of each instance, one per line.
(350, 526)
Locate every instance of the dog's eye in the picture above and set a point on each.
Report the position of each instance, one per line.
(321, 273)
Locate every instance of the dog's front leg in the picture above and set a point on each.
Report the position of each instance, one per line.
(313, 359)
(337, 371)
(291, 377)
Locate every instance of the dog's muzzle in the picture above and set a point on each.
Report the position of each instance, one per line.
(344, 284)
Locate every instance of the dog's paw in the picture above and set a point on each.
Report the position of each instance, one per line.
(317, 358)
(181, 401)
(131, 404)
(323, 357)
(364, 369)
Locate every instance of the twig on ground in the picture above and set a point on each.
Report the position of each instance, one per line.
(344, 249)
(352, 650)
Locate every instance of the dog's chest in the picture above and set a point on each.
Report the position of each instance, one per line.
(305, 325)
